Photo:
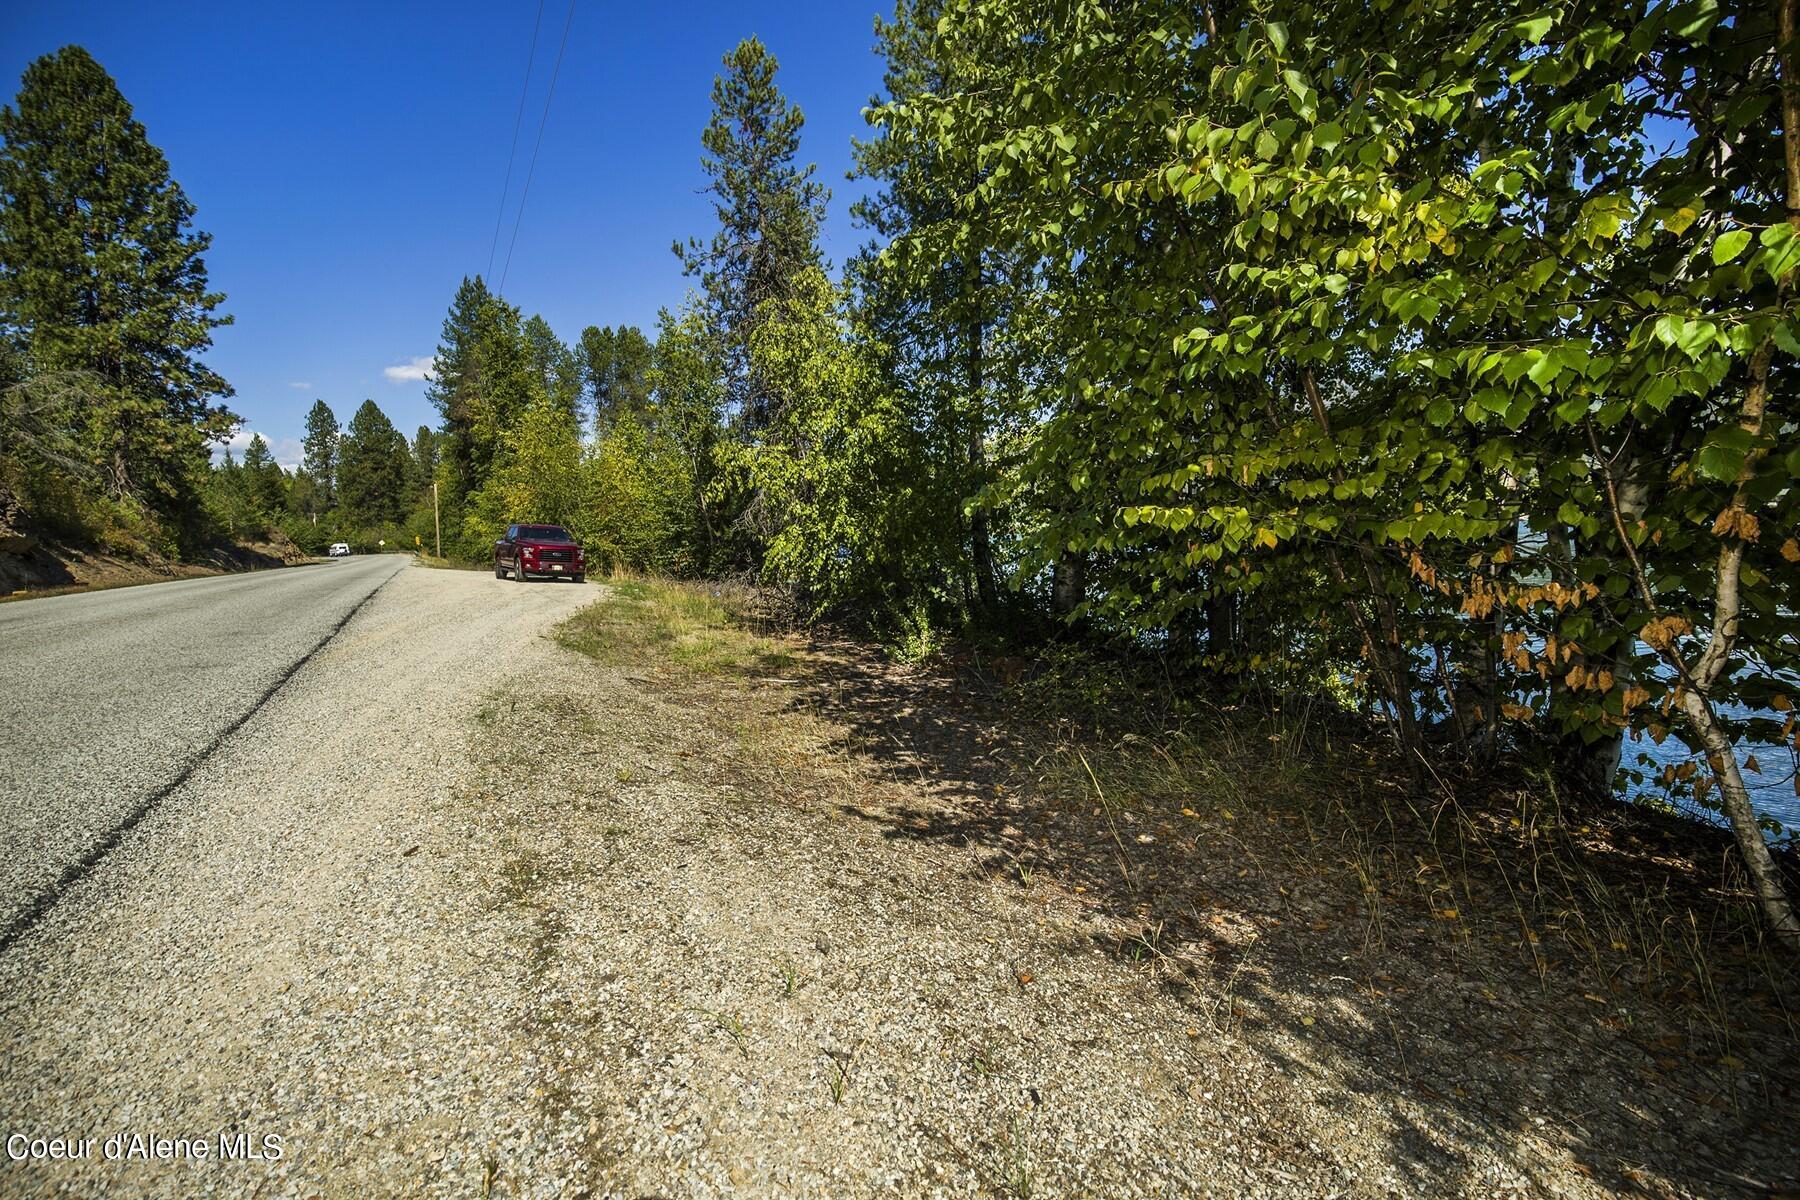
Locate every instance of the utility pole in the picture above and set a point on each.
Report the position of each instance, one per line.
(436, 525)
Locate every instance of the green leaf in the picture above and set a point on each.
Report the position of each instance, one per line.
(1785, 337)
(1328, 135)
(1693, 21)
(1535, 29)
(1441, 411)
(1722, 455)
(1689, 337)
(1729, 246)
(1781, 251)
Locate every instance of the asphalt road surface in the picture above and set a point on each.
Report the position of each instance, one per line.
(107, 700)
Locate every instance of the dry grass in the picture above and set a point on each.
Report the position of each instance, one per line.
(693, 628)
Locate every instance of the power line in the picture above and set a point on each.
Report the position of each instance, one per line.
(518, 117)
(531, 169)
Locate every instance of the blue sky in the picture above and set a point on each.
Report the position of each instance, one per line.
(348, 160)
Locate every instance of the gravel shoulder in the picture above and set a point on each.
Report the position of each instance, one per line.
(107, 697)
(263, 954)
(463, 911)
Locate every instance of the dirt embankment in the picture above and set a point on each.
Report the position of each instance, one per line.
(31, 566)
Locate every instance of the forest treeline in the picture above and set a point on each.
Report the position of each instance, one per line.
(1437, 359)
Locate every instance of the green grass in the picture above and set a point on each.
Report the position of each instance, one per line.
(695, 628)
(449, 564)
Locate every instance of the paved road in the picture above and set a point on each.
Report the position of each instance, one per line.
(108, 698)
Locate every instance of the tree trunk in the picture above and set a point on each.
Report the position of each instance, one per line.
(1387, 653)
(1693, 694)
(981, 550)
(1068, 583)
(1221, 625)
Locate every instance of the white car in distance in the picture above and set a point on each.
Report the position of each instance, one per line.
(339, 550)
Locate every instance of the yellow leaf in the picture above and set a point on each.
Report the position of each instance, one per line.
(1780, 703)
(1752, 766)
(1306, 1020)
(1790, 550)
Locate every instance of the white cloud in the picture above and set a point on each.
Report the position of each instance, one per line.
(301, 387)
(287, 451)
(415, 371)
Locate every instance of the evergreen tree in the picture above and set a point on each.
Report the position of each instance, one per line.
(769, 210)
(557, 367)
(615, 364)
(686, 412)
(264, 483)
(102, 273)
(424, 458)
(456, 381)
(319, 455)
(372, 469)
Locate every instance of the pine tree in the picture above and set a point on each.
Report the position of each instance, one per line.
(102, 273)
(264, 482)
(615, 364)
(456, 381)
(769, 211)
(372, 469)
(424, 458)
(557, 367)
(319, 454)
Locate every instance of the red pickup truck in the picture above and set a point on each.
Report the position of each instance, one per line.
(546, 551)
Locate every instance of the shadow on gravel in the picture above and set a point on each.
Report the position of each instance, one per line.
(1484, 992)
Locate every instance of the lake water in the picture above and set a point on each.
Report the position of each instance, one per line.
(1771, 788)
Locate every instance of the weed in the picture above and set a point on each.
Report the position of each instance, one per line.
(731, 1025)
(1018, 1163)
(837, 1078)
